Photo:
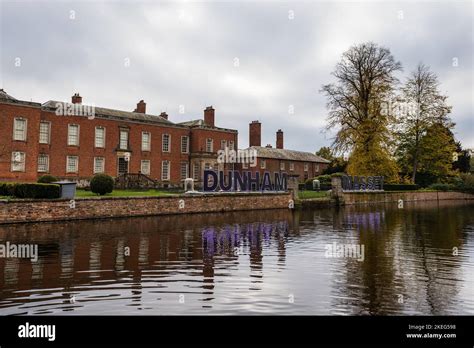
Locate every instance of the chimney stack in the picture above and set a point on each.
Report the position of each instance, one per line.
(141, 107)
(164, 115)
(255, 133)
(269, 146)
(209, 116)
(279, 139)
(76, 99)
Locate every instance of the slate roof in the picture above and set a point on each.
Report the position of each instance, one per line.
(7, 98)
(119, 114)
(201, 123)
(284, 154)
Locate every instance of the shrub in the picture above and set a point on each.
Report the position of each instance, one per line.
(324, 182)
(467, 184)
(324, 179)
(6, 188)
(308, 184)
(47, 179)
(400, 187)
(442, 187)
(102, 184)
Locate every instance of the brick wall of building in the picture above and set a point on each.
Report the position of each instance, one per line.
(7, 145)
(273, 166)
(58, 148)
(199, 136)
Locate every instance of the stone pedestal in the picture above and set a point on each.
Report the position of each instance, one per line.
(293, 186)
(336, 191)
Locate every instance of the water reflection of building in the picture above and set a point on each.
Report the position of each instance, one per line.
(79, 254)
(234, 240)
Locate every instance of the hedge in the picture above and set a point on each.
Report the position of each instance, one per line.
(47, 179)
(442, 187)
(30, 190)
(400, 187)
(6, 188)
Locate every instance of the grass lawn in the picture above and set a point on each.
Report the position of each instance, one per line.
(312, 194)
(126, 193)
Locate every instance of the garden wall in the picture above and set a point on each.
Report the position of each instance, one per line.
(408, 196)
(15, 211)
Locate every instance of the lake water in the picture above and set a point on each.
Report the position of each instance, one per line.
(416, 260)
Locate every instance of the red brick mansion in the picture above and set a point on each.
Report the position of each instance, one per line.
(75, 141)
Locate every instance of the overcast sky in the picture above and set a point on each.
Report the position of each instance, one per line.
(251, 60)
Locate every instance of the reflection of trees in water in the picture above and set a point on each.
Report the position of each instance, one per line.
(408, 252)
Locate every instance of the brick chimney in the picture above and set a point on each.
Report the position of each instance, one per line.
(76, 99)
(209, 116)
(141, 107)
(164, 115)
(279, 139)
(255, 133)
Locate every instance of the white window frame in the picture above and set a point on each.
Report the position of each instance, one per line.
(146, 172)
(231, 145)
(95, 165)
(209, 145)
(48, 135)
(306, 167)
(292, 166)
(103, 138)
(24, 130)
(316, 168)
(223, 144)
(68, 158)
(263, 164)
(124, 131)
(196, 171)
(165, 176)
(282, 165)
(46, 169)
(186, 138)
(166, 148)
(186, 170)
(21, 163)
(146, 146)
(69, 126)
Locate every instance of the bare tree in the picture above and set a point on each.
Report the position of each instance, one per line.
(425, 106)
(365, 80)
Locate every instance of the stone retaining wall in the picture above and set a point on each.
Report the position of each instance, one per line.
(15, 211)
(387, 197)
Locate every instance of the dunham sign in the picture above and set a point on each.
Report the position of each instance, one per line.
(237, 181)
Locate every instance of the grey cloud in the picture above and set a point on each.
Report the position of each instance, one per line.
(183, 54)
